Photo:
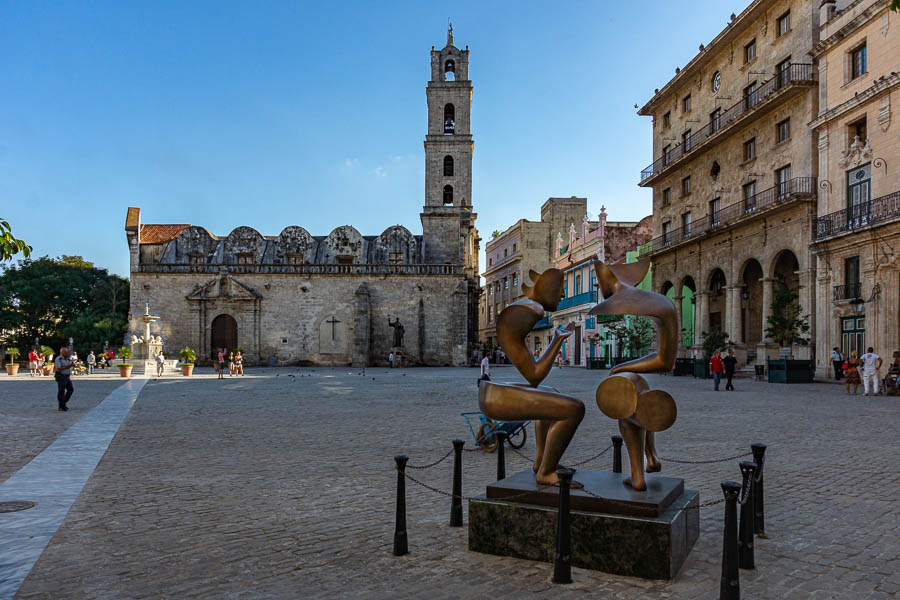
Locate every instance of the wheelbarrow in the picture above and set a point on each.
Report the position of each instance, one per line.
(486, 434)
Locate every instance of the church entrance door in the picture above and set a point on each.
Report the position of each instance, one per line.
(224, 334)
(577, 337)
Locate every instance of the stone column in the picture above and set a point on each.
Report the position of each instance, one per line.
(768, 296)
(679, 349)
(735, 315)
(701, 321)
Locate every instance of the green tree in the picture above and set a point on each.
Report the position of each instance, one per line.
(785, 323)
(713, 340)
(9, 245)
(54, 299)
(895, 5)
(635, 333)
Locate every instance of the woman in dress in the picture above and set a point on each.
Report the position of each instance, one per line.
(239, 363)
(231, 364)
(851, 370)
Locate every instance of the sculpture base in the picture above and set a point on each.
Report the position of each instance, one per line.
(634, 546)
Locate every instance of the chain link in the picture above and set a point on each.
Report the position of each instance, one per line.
(435, 463)
(596, 456)
(452, 495)
(704, 462)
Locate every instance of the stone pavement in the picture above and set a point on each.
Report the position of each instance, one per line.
(281, 485)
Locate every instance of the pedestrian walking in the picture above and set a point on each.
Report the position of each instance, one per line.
(871, 364)
(391, 359)
(239, 363)
(485, 370)
(851, 372)
(32, 363)
(160, 363)
(91, 362)
(730, 363)
(221, 357)
(716, 367)
(64, 387)
(837, 360)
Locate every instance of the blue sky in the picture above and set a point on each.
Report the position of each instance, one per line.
(271, 114)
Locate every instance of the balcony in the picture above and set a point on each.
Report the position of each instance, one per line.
(857, 218)
(794, 76)
(797, 189)
(322, 269)
(582, 298)
(849, 291)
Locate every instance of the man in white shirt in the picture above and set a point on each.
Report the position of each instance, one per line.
(871, 362)
(160, 363)
(837, 359)
(485, 369)
(64, 387)
(391, 359)
(91, 361)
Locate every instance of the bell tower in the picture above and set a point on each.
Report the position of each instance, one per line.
(448, 223)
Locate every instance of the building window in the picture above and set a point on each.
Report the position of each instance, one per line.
(577, 284)
(686, 103)
(449, 119)
(667, 155)
(667, 196)
(490, 262)
(448, 194)
(859, 192)
(715, 120)
(686, 186)
(245, 259)
(750, 96)
(686, 140)
(783, 130)
(506, 283)
(783, 181)
(686, 224)
(858, 65)
(196, 259)
(749, 196)
(667, 119)
(853, 334)
(714, 206)
(516, 280)
(666, 231)
(344, 260)
(750, 51)
(395, 258)
(514, 248)
(783, 72)
(783, 24)
(857, 130)
(448, 166)
(750, 149)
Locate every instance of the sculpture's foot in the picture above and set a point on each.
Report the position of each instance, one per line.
(536, 466)
(640, 487)
(653, 466)
(553, 479)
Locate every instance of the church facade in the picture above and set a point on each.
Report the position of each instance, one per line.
(342, 298)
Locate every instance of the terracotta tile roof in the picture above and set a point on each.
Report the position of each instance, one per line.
(159, 234)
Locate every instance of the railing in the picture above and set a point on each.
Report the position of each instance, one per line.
(856, 217)
(849, 291)
(728, 215)
(327, 269)
(794, 73)
(582, 298)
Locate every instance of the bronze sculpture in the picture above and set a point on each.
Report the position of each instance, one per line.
(399, 330)
(556, 415)
(640, 411)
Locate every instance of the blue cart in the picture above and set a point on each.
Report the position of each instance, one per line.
(486, 436)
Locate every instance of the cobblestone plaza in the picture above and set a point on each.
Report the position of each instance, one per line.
(281, 484)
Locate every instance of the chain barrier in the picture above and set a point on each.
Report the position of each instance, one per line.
(434, 464)
(704, 462)
(595, 457)
(451, 495)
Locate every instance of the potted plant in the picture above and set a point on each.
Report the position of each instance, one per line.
(187, 357)
(788, 327)
(125, 368)
(12, 368)
(49, 366)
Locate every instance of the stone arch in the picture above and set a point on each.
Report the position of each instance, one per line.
(294, 245)
(243, 244)
(688, 309)
(344, 245)
(751, 301)
(223, 333)
(396, 245)
(784, 267)
(667, 287)
(718, 312)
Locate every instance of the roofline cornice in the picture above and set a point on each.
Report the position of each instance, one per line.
(852, 25)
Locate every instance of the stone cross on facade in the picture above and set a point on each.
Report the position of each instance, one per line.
(332, 322)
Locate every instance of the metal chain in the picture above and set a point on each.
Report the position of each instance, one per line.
(596, 456)
(435, 463)
(451, 495)
(704, 462)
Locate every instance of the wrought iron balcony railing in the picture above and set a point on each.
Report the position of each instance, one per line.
(582, 298)
(793, 189)
(848, 291)
(325, 269)
(868, 214)
(793, 74)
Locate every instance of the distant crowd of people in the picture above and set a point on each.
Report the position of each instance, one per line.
(233, 360)
(866, 369)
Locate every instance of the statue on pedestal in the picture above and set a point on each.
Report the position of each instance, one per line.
(398, 331)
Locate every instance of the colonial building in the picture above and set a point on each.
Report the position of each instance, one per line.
(856, 234)
(608, 241)
(734, 175)
(341, 298)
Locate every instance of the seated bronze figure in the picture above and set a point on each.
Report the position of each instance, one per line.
(627, 397)
(556, 415)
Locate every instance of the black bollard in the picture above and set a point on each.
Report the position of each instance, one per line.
(745, 535)
(456, 519)
(759, 518)
(501, 458)
(401, 545)
(730, 588)
(562, 563)
(617, 453)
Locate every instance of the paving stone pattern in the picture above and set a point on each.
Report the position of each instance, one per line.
(283, 487)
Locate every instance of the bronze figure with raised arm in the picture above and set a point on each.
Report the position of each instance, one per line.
(556, 415)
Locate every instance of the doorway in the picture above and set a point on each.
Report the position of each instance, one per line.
(224, 334)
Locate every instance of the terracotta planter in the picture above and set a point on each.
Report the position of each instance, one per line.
(48, 369)
(12, 369)
(186, 370)
(125, 370)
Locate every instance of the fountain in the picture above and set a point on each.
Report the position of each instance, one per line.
(146, 347)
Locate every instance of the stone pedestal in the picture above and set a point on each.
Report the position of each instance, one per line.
(652, 541)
